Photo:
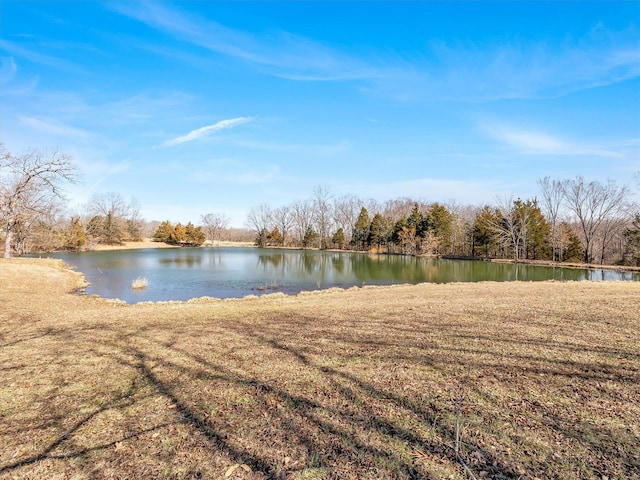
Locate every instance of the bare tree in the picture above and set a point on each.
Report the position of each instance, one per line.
(552, 196)
(462, 219)
(511, 224)
(610, 240)
(302, 218)
(135, 224)
(41, 232)
(345, 213)
(110, 215)
(283, 219)
(29, 185)
(593, 203)
(214, 224)
(322, 213)
(259, 220)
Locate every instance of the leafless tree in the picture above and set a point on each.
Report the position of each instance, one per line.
(511, 225)
(463, 217)
(29, 185)
(283, 219)
(345, 213)
(108, 203)
(592, 204)
(302, 218)
(322, 213)
(113, 218)
(259, 220)
(610, 240)
(214, 224)
(552, 197)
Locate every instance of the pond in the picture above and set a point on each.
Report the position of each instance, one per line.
(228, 272)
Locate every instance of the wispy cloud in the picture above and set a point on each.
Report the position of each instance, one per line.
(121, 167)
(53, 127)
(208, 130)
(12, 84)
(52, 61)
(146, 106)
(279, 53)
(537, 142)
(465, 71)
(516, 69)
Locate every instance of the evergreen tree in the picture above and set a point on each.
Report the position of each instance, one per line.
(105, 229)
(339, 238)
(179, 235)
(361, 230)
(440, 223)
(376, 231)
(275, 237)
(415, 219)
(193, 236)
(398, 228)
(484, 238)
(163, 232)
(75, 237)
(538, 233)
(310, 238)
(112, 234)
(574, 251)
(133, 230)
(416, 229)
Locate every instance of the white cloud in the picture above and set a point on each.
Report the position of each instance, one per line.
(53, 127)
(281, 54)
(208, 130)
(515, 69)
(463, 71)
(35, 56)
(536, 142)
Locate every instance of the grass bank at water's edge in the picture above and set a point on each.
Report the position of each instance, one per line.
(362, 383)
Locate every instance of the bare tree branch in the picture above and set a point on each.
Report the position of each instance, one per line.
(29, 185)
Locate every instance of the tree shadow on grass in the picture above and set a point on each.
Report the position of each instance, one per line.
(343, 422)
(339, 432)
(119, 402)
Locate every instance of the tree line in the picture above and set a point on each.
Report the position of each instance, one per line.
(571, 220)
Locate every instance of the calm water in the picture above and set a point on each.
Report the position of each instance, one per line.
(185, 273)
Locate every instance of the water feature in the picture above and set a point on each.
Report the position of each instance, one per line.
(185, 273)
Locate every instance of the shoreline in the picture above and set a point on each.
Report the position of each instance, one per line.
(80, 290)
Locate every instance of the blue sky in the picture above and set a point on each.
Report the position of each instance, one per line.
(195, 107)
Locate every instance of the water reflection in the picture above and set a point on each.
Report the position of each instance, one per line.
(181, 274)
(182, 262)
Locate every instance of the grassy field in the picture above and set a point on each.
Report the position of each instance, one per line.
(539, 380)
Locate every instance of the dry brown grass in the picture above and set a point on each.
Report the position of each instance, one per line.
(360, 383)
(140, 283)
(146, 243)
